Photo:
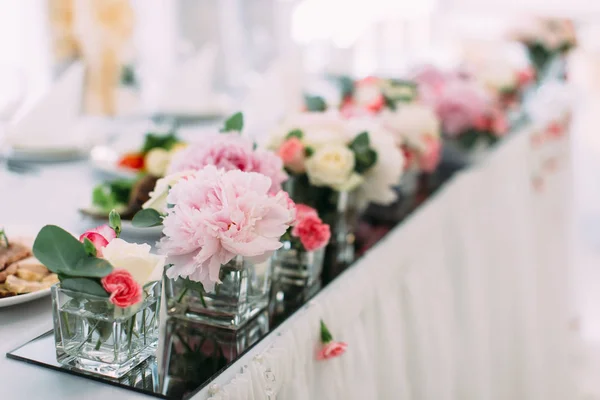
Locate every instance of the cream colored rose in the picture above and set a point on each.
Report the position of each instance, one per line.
(318, 129)
(498, 76)
(144, 266)
(411, 124)
(158, 197)
(332, 165)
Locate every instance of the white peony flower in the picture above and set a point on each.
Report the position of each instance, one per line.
(333, 165)
(158, 197)
(411, 124)
(136, 258)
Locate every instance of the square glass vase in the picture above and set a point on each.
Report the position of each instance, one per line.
(95, 336)
(242, 294)
(297, 267)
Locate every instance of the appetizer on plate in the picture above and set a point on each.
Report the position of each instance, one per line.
(20, 272)
(154, 156)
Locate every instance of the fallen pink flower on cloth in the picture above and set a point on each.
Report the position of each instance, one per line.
(330, 348)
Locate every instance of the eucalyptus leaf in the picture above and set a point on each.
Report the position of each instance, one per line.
(84, 285)
(235, 123)
(58, 250)
(295, 133)
(147, 218)
(365, 160)
(309, 151)
(91, 267)
(360, 142)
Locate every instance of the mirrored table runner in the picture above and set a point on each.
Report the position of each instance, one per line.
(193, 354)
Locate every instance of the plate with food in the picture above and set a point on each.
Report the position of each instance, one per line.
(150, 157)
(22, 277)
(126, 196)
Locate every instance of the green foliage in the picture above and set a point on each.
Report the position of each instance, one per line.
(114, 221)
(89, 247)
(325, 334)
(365, 156)
(83, 285)
(315, 103)
(147, 218)
(159, 141)
(235, 123)
(295, 133)
(109, 195)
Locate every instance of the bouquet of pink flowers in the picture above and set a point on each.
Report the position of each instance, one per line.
(217, 215)
(308, 232)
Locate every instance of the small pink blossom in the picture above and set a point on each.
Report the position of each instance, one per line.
(100, 237)
(303, 211)
(123, 289)
(230, 152)
(292, 154)
(331, 350)
(460, 106)
(525, 76)
(218, 215)
(313, 233)
(430, 158)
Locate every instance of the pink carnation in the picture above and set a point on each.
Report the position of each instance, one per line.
(230, 152)
(313, 233)
(303, 211)
(100, 237)
(459, 106)
(219, 215)
(123, 288)
(292, 154)
(430, 158)
(331, 350)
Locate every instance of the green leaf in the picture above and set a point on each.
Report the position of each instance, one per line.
(234, 123)
(391, 104)
(4, 238)
(309, 151)
(83, 285)
(128, 76)
(295, 133)
(315, 103)
(365, 160)
(159, 141)
(58, 250)
(89, 247)
(361, 142)
(114, 221)
(91, 267)
(121, 190)
(325, 334)
(346, 86)
(147, 218)
(103, 198)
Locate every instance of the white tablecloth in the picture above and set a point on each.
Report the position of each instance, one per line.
(467, 299)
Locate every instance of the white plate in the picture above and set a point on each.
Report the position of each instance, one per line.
(23, 232)
(45, 155)
(23, 298)
(105, 160)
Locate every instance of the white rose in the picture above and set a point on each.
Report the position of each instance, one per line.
(367, 93)
(157, 161)
(498, 76)
(158, 197)
(144, 266)
(332, 165)
(318, 129)
(411, 123)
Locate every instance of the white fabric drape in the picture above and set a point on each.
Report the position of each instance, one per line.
(467, 299)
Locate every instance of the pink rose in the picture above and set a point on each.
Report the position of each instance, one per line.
(525, 76)
(555, 130)
(313, 233)
(219, 215)
(292, 154)
(460, 106)
(100, 237)
(230, 152)
(430, 158)
(367, 94)
(123, 289)
(331, 350)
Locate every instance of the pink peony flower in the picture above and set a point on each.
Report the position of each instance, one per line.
(430, 80)
(331, 350)
(292, 154)
(430, 158)
(123, 289)
(313, 233)
(230, 152)
(218, 215)
(100, 237)
(460, 106)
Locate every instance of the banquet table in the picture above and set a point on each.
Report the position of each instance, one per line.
(466, 299)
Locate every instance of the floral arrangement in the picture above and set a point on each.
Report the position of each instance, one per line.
(325, 150)
(99, 263)
(468, 113)
(216, 215)
(155, 154)
(227, 150)
(546, 38)
(308, 232)
(504, 81)
(329, 348)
